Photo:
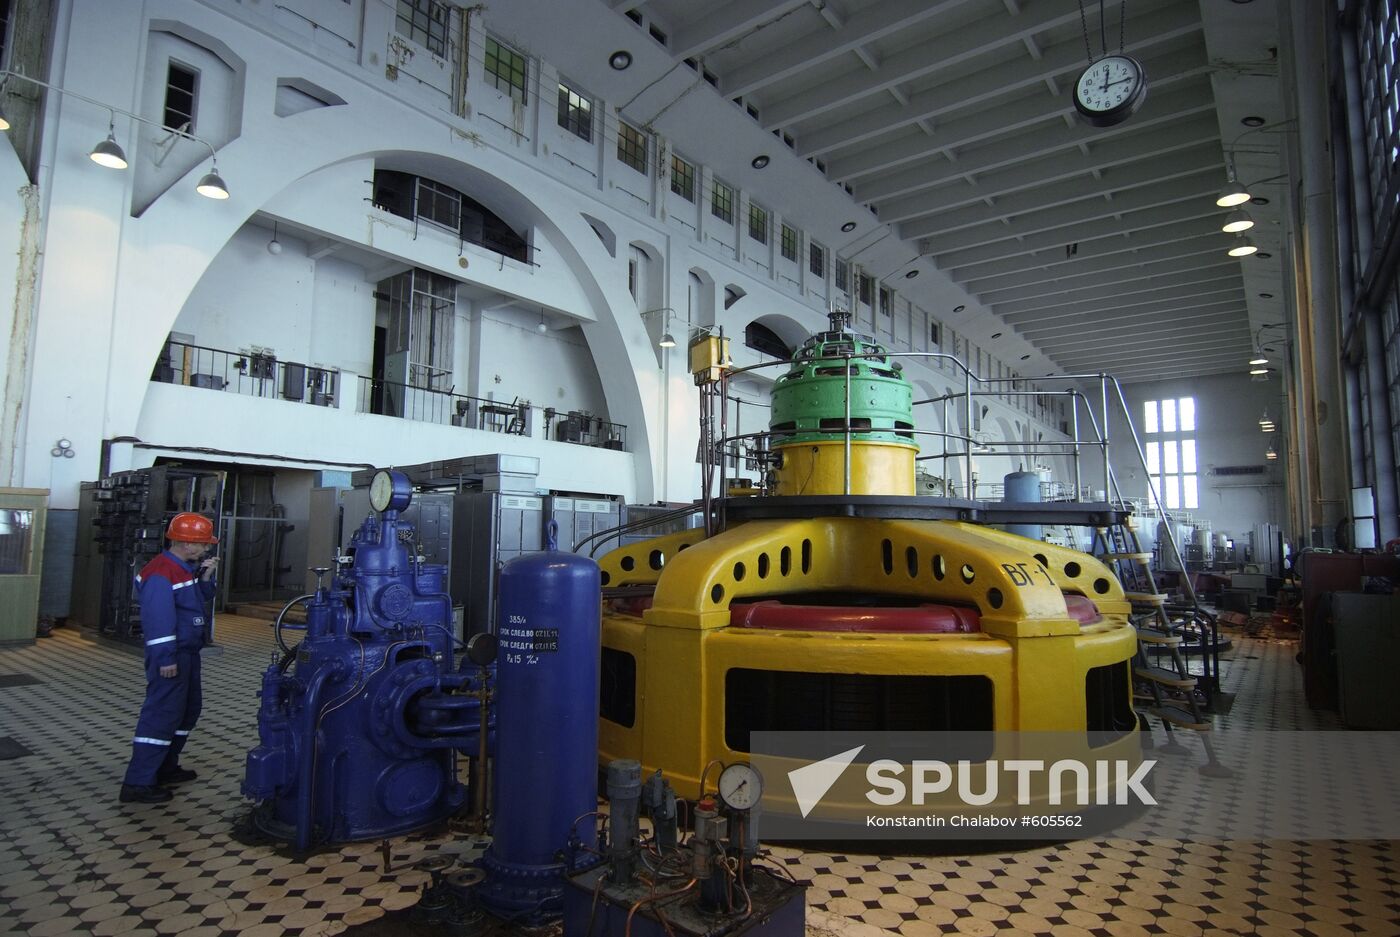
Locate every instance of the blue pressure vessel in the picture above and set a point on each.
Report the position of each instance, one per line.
(1023, 487)
(546, 769)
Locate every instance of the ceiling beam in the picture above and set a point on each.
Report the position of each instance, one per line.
(1050, 136)
(1103, 250)
(732, 21)
(1022, 274)
(1169, 218)
(809, 51)
(987, 87)
(1116, 299)
(1167, 301)
(1109, 326)
(1149, 285)
(1152, 376)
(1149, 268)
(1164, 359)
(1066, 178)
(1179, 338)
(944, 50)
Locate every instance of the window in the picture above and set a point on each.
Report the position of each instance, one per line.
(816, 259)
(758, 223)
(934, 336)
(632, 146)
(843, 275)
(865, 287)
(439, 204)
(789, 243)
(1169, 427)
(722, 202)
(886, 301)
(422, 313)
(575, 113)
(505, 70)
(424, 22)
(1378, 34)
(682, 178)
(6, 14)
(181, 90)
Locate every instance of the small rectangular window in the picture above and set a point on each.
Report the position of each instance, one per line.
(1169, 416)
(758, 223)
(789, 243)
(424, 22)
(181, 92)
(816, 259)
(682, 178)
(934, 336)
(440, 204)
(575, 113)
(1186, 413)
(722, 202)
(865, 287)
(505, 70)
(1149, 416)
(843, 275)
(632, 146)
(886, 301)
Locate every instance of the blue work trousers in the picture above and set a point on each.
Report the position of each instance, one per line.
(167, 716)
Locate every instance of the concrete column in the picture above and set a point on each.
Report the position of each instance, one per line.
(1319, 321)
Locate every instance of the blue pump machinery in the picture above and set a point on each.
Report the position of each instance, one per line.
(360, 723)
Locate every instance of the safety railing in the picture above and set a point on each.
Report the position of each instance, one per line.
(251, 374)
(1090, 434)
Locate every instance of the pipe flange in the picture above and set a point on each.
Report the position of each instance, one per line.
(465, 878)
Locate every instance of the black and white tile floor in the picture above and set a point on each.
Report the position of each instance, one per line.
(74, 861)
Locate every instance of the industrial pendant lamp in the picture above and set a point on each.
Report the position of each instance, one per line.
(1272, 453)
(212, 185)
(1244, 246)
(1233, 194)
(1237, 221)
(667, 340)
(4, 122)
(109, 153)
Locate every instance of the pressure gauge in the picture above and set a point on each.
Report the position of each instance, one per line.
(390, 491)
(740, 786)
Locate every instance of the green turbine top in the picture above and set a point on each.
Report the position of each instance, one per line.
(809, 401)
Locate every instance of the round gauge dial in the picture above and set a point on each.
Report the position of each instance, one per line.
(1110, 90)
(740, 786)
(390, 491)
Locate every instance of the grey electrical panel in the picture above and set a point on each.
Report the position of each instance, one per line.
(581, 518)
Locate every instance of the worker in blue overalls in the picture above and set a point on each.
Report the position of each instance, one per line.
(175, 590)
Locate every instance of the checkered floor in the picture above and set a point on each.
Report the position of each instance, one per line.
(74, 861)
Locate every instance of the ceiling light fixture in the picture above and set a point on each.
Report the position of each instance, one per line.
(848, 227)
(1263, 255)
(760, 161)
(212, 184)
(1237, 221)
(911, 274)
(1243, 247)
(959, 308)
(1255, 371)
(4, 122)
(109, 153)
(1259, 200)
(1233, 194)
(1266, 295)
(1025, 357)
(274, 246)
(1271, 453)
(620, 60)
(667, 340)
(1252, 120)
(1258, 359)
(996, 335)
(543, 327)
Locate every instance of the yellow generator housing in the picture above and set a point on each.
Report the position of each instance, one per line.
(683, 683)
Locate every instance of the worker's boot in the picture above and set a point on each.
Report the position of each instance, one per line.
(176, 776)
(144, 794)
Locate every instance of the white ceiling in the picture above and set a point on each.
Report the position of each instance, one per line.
(1090, 249)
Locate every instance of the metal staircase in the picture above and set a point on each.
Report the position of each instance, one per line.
(1164, 687)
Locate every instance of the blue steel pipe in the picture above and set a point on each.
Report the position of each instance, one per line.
(306, 782)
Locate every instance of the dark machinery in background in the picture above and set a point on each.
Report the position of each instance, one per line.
(361, 723)
(129, 512)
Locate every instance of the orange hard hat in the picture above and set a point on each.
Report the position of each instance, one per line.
(191, 528)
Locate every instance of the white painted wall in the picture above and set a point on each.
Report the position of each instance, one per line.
(1228, 408)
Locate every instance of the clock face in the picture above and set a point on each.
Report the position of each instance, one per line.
(1110, 90)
